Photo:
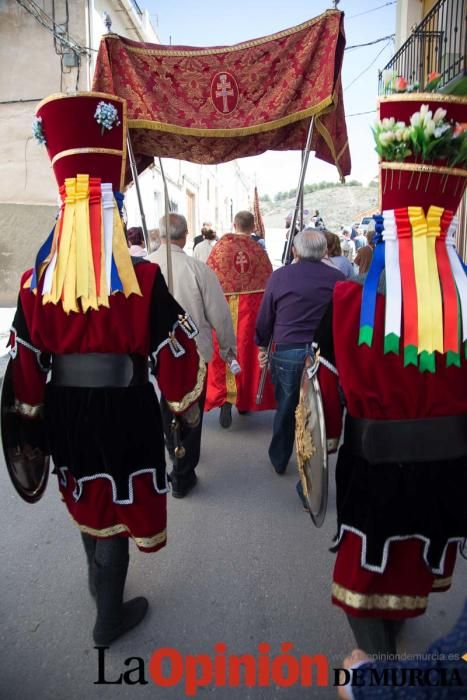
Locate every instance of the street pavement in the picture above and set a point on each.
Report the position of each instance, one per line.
(243, 565)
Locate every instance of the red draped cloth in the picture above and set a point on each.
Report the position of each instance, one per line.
(243, 269)
(211, 105)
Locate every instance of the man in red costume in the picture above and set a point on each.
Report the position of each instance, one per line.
(397, 344)
(243, 269)
(92, 316)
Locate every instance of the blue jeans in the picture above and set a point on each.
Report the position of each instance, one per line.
(286, 372)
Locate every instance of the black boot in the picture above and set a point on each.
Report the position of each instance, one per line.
(114, 617)
(90, 549)
(373, 634)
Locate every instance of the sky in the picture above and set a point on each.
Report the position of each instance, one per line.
(224, 22)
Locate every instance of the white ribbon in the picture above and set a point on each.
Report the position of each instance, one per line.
(458, 272)
(393, 275)
(48, 277)
(108, 220)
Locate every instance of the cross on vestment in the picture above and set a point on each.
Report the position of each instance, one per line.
(224, 90)
(242, 261)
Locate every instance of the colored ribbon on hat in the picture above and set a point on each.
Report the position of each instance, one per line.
(458, 273)
(409, 292)
(448, 288)
(122, 258)
(433, 223)
(41, 256)
(422, 280)
(370, 287)
(393, 312)
(95, 211)
(84, 266)
(64, 246)
(108, 218)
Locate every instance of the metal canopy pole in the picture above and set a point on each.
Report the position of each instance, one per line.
(134, 174)
(306, 154)
(170, 282)
(288, 250)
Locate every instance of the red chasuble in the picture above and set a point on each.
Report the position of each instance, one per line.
(243, 268)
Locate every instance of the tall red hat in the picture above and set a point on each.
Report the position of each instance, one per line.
(78, 142)
(417, 182)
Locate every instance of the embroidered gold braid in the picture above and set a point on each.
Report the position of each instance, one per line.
(195, 393)
(230, 380)
(442, 582)
(378, 601)
(304, 446)
(143, 542)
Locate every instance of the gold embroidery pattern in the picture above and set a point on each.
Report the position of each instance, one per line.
(423, 97)
(378, 601)
(304, 447)
(228, 49)
(28, 410)
(143, 542)
(442, 582)
(230, 381)
(188, 399)
(422, 168)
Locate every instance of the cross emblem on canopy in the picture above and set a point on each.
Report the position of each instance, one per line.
(224, 90)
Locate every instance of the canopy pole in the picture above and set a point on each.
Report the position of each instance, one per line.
(306, 154)
(134, 174)
(288, 251)
(170, 282)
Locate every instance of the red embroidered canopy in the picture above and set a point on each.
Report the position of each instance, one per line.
(211, 105)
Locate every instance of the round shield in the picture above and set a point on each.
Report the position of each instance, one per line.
(28, 466)
(310, 443)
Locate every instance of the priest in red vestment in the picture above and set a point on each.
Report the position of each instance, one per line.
(243, 269)
(92, 317)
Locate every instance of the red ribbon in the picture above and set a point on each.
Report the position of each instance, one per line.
(448, 287)
(409, 290)
(95, 224)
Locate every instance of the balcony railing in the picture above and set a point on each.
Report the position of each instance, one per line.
(438, 43)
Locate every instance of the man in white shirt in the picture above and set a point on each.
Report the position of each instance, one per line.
(197, 290)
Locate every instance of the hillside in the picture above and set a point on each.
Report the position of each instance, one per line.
(337, 205)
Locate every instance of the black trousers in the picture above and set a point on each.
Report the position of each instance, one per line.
(190, 439)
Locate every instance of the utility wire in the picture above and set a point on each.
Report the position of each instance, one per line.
(358, 114)
(370, 43)
(373, 9)
(48, 23)
(368, 67)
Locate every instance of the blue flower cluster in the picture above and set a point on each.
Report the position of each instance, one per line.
(106, 115)
(37, 131)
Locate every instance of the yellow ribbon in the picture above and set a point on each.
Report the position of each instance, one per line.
(122, 258)
(63, 253)
(433, 221)
(422, 278)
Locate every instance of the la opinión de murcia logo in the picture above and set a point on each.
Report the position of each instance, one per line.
(167, 668)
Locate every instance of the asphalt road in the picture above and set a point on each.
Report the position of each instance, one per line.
(243, 565)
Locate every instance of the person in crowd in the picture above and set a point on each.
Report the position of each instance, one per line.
(365, 255)
(136, 242)
(93, 327)
(347, 245)
(288, 223)
(200, 237)
(154, 239)
(359, 240)
(203, 249)
(413, 679)
(258, 239)
(243, 269)
(334, 254)
(295, 299)
(197, 289)
(404, 451)
(317, 220)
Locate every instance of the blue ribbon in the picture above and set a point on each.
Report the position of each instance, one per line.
(370, 288)
(119, 198)
(115, 281)
(43, 252)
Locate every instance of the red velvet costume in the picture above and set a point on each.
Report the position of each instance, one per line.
(400, 522)
(243, 268)
(106, 442)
